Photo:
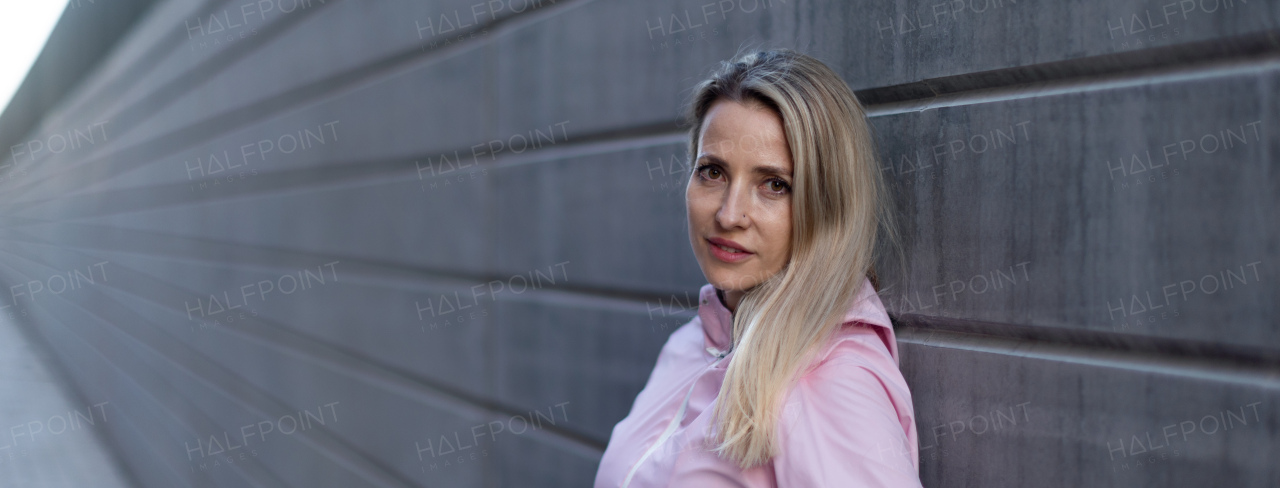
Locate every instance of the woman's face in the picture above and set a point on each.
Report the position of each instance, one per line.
(739, 197)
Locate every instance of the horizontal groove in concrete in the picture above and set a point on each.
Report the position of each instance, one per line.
(217, 378)
(1206, 59)
(1255, 53)
(1194, 359)
(1169, 63)
(206, 250)
(1073, 345)
(332, 175)
(237, 117)
(1175, 74)
(92, 102)
(355, 364)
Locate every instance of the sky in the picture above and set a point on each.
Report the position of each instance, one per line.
(24, 27)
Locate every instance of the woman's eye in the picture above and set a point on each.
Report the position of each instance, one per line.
(778, 186)
(709, 172)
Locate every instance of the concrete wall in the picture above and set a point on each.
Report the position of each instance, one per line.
(401, 243)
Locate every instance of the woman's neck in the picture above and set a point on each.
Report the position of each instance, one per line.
(730, 299)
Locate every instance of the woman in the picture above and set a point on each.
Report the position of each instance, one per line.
(788, 376)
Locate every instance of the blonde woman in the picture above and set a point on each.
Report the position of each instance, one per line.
(789, 374)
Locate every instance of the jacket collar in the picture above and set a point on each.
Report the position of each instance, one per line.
(866, 308)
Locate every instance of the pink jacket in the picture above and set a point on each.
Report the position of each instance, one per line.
(847, 422)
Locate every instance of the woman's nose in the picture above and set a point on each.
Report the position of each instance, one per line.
(734, 208)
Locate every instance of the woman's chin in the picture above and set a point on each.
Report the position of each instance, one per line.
(733, 282)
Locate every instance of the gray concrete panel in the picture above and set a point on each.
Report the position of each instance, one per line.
(992, 412)
(589, 210)
(1140, 210)
(596, 357)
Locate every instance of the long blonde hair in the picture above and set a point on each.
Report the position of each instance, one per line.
(839, 204)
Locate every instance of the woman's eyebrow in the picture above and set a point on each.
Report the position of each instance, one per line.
(771, 170)
(713, 158)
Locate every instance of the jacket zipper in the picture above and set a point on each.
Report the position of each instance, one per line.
(675, 421)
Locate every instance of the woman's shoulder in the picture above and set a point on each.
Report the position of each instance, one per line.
(861, 342)
(849, 416)
(855, 373)
(865, 336)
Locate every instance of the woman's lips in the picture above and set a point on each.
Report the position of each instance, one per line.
(727, 255)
